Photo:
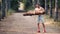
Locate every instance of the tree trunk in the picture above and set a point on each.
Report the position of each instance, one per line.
(51, 9)
(56, 9)
(38, 2)
(0, 10)
(3, 9)
(33, 3)
(46, 7)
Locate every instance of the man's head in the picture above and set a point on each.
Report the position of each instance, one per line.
(37, 5)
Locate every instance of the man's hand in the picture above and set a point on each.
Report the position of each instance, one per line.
(40, 11)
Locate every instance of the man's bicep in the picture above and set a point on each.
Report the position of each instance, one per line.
(43, 9)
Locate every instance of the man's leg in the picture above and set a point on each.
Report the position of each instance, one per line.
(44, 27)
(42, 21)
(38, 27)
(38, 24)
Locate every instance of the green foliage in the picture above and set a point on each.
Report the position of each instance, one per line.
(14, 4)
(53, 3)
(30, 8)
(10, 11)
(28, 4)
(42, 3)
(58, 3)
(24, 1)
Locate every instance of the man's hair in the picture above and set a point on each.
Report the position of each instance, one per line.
(37, 4)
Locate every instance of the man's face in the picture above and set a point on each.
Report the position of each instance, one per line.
(37, 5)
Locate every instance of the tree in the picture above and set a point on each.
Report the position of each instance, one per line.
(50, 8)
(41, 2)
(46, 7)
(3, 5)
(14, 4)
(56, 9)
(38, 2)
(0, 10)
(28, 4)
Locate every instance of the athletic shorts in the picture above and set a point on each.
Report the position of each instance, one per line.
(40, 19)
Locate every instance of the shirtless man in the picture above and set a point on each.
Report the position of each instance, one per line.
(39, 9)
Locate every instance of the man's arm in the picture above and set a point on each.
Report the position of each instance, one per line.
(42, 10)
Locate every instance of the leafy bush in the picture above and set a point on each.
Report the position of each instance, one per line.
(14, 4)
(10, 11)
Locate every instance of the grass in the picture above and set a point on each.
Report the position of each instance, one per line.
(10, 11)
(56, 23)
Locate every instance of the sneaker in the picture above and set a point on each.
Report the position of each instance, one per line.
(44, 31)
(38, 31)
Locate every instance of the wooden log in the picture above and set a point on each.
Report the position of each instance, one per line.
(30, 14)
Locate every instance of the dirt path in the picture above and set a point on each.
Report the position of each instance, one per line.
(19, 24)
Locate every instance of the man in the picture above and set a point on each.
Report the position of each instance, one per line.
(40, 12)
(39, 9)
